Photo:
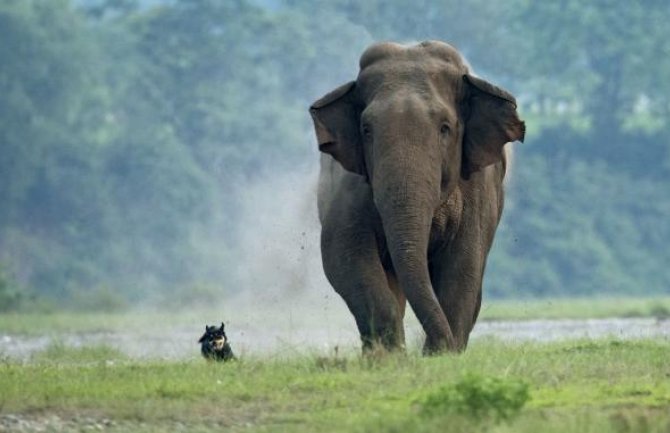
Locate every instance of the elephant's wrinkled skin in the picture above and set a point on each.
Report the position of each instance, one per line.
(411, 190)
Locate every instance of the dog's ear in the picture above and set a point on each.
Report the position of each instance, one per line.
(222, 325)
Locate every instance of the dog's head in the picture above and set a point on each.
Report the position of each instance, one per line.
(214, 338)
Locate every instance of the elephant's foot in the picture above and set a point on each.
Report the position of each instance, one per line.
(390, 339)
(377, 350)
(436, 346)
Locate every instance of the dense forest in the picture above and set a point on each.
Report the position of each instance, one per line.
(136, 135)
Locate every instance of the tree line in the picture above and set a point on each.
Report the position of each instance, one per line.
(129, 129)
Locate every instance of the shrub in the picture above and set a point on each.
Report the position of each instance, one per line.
(479, 398)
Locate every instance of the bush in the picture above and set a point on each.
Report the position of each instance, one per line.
(479, 398)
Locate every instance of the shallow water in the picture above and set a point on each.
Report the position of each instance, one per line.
(255, 340)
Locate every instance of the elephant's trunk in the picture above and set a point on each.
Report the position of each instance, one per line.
(406, 189)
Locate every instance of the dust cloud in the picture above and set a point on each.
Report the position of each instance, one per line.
(280, 296)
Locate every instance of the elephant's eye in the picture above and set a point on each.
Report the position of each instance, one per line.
(444, 129)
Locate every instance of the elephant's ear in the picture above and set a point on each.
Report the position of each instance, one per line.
(336, 125)
(491, 122)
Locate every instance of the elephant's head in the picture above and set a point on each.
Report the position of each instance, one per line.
(414, 124)
(416, 99)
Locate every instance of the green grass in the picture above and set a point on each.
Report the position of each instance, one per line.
(574, 308)
(577, 386)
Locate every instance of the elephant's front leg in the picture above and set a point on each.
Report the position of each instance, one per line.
(457, 279)
(353, 267)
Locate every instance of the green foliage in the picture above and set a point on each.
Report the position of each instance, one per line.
(480, 398)
(131, 130)
(606, 57)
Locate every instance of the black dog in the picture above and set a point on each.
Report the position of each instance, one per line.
(214, 344)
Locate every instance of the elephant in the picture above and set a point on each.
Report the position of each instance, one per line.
(410, 190)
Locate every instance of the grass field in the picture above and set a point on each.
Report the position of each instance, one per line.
(577, 308)
(606, 385)
(576, 386)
